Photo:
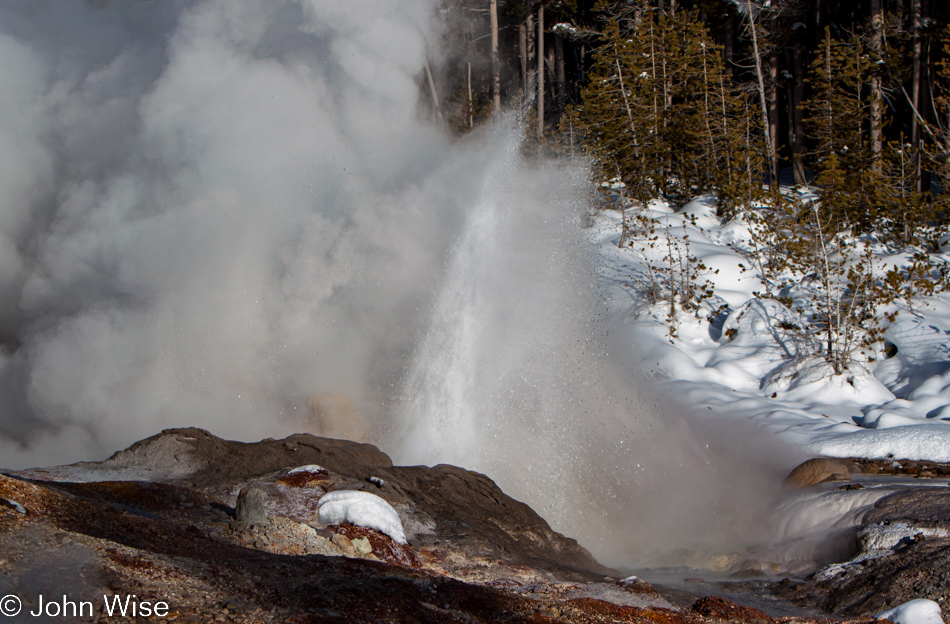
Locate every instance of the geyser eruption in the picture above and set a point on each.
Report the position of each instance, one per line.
(523, 375)
(213, 210)
(510, 377)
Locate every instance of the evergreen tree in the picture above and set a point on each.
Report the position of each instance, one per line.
(661, 112)
(834, 119)
(939, 157)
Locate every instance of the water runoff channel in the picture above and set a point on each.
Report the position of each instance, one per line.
(817, 531)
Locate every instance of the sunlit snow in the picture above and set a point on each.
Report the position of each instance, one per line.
(362, 509)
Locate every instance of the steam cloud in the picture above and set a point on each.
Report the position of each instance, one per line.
(209, 211)
(213, 209)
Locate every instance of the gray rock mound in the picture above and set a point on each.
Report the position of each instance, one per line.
(250, 507)
(460, 517)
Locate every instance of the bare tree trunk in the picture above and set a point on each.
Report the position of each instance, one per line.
(773, 112)
(435, 94)
(828, 77)
(540, 52)
(552, 72)
(796, 95)
(529, 82)
(495, 62)
(581, 70)
(729, 29)
(656, 105)
(928, 106)
(560, 73)
(523, 53)
(770, 148)
(915, 82)
(877, 43)
(471, 103)
(626, 102)
(707, 108)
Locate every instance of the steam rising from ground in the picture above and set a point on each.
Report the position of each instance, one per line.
(210, 210)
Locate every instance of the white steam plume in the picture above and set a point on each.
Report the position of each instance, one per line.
(208, 211)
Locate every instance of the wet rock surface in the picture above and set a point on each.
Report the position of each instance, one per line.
(821, 469)
(101, 530)
(901, 553)
(818, 470)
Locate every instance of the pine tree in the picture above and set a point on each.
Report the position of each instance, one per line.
(834, 118)
(661, 112)
(939, 156)
(606, 117)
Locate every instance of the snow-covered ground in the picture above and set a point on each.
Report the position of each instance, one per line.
(738, 358)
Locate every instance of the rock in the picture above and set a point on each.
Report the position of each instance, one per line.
(250, 507)
(916, 504)
(897, 565)
(344, 544)
(131, 536)
(722, 609)
(381, 545)
(362, 545)
(721, 562)
(818, 470)
(437, 506)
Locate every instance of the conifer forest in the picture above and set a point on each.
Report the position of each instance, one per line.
(742, 101)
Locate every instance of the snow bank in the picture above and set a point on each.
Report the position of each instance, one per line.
(914, 612)
(311, 468)
(362, 509)
(759, 360)
(918, 442)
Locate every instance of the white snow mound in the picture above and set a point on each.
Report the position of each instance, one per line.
(919, 611)
(362, 509)
(918, 442)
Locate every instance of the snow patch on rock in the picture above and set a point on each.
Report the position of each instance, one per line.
(310, 468)
(362, 509)
(914, 612)
(876, 541)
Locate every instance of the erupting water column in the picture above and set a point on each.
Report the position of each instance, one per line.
(521, 375)
(512, 378)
